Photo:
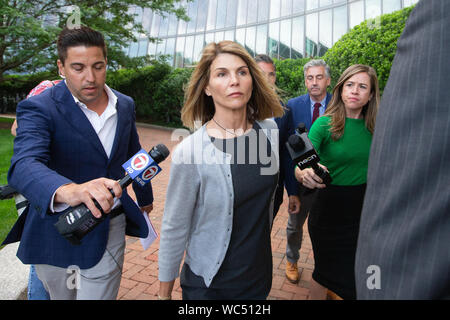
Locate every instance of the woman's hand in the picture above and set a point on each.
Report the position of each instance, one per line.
(309, 179)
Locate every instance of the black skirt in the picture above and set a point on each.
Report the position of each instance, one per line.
(333, 226)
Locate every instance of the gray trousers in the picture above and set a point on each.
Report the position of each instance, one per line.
(101, 282)
(294, 228)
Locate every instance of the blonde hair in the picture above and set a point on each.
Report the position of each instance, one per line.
(264, 102)
(336, 109)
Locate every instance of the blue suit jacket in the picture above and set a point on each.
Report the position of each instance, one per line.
(300, 109)
(55, 145)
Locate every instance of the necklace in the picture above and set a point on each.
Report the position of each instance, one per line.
(226, 130)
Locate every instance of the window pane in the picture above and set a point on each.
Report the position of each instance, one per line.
(221, 13)
(312, 4)
(133, 49)
(275, 6)
(252, 11)
(241, 12)
(274, 31)
(409, 2)
(199, 42)
(286, 8)
(261, 39)
(179, 52)
(142, 48)
(211, 22)
(170, 48)
(339, 22)
(193, 15)
(250, 40)
(298, 33)
(240, 36)
(164, 27)
(229, 35)
(182, 26)
(298, 6)
(324, 3)
(373, 9)
(325, 31)
(391, 5)
(356, 13)
(151, 51)
(285, 39)
(147, 19)
(161, 48)
(202, 15)
(312, 35)
(173, 24)
(155, 25)
(209, 37)
(188, 50)
(231, 13)
(219, 36)
(263, 10)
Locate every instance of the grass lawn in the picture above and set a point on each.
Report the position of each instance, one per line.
(8, 213)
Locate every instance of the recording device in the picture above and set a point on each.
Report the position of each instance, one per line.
(303, 153)
(75, 222)
(6, 192)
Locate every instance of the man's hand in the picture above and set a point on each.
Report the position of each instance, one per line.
(99, 189)
(294, 204)
(147, 209)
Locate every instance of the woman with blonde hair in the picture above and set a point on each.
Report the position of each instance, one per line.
(342, 138)
(219, 202)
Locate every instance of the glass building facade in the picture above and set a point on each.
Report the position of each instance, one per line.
(280, 28)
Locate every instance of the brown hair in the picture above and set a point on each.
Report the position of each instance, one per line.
(264, 102)
(336, 109)
(83, 36)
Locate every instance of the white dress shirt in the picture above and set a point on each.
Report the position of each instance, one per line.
(105, 126)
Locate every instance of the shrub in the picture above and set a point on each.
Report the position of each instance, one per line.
(373, 42)
(290, 78)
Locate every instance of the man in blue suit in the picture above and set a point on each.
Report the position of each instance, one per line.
(71, 143)
(306, 108)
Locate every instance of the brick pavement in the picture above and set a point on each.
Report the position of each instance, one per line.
(140, 271)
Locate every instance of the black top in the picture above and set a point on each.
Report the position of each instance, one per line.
(246, 272)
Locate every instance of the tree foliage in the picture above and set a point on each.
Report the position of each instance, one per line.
(373, 42)
(29, 29)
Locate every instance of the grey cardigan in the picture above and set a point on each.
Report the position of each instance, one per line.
(198, 213)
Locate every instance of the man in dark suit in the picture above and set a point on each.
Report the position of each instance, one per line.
(284, 124)
(71, 143)
(403, 244)
(306, 109)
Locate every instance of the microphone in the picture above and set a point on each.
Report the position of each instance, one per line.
(303, 153)
(6, 192)
(75, 222)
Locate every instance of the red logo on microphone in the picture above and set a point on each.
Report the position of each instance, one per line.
(150, 173)
(139, 161)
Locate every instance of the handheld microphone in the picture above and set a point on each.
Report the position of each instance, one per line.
(303, 153)
(75, 222)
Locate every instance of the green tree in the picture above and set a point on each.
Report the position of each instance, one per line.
(373, 42)
(29, 29)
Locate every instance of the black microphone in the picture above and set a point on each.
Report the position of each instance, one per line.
(303, 153)
(7, 192)
(75, 222)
